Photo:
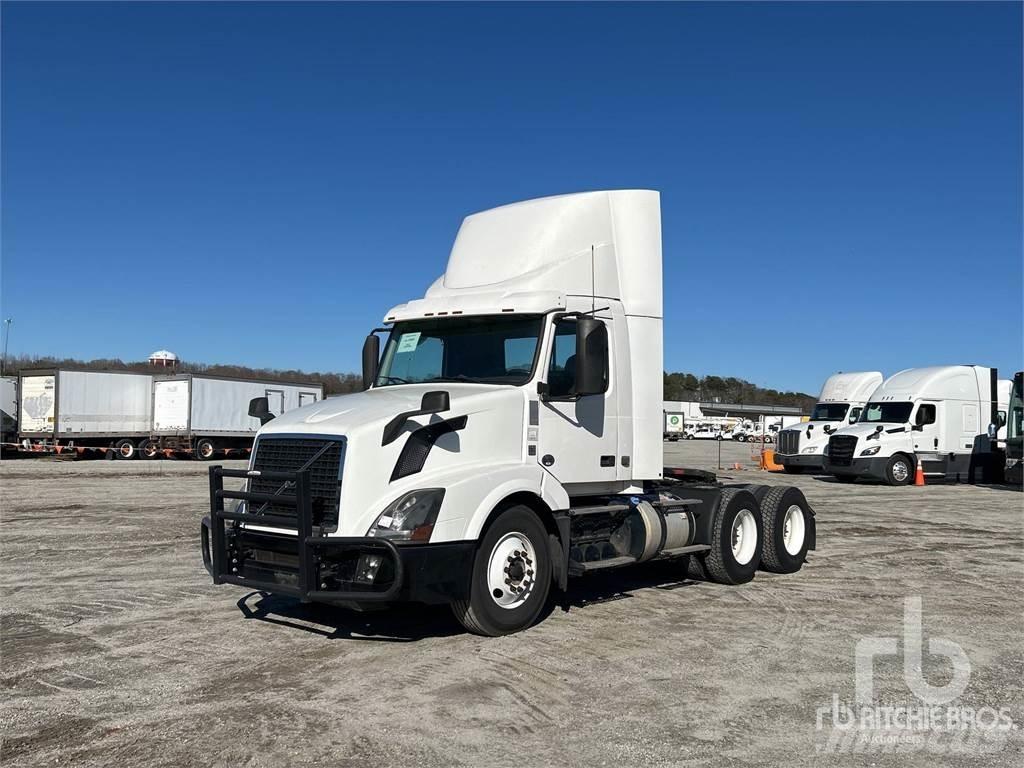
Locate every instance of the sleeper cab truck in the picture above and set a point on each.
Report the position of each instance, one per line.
(946, 416)
(96, 412)
(206, 416)
(508, 437)
(801, 446)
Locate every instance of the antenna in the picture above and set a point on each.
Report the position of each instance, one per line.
(593, 282)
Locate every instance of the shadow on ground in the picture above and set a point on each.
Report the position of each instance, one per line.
(409, 622)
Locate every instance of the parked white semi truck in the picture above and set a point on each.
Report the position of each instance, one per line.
(509, 437)
(946, 416)
(801, 446)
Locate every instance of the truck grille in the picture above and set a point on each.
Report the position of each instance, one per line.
(789, 442)
(290, 454)
(840, 450)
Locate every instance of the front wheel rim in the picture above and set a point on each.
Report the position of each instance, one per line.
(744, 537)
(793, 530)
(900, 471)
(511, 570)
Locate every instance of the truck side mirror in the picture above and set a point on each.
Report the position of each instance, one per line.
(371, 358)
(591, 356)
(259, 408)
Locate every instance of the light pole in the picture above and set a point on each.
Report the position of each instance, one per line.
(7, 337)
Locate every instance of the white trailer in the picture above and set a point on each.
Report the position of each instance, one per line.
(945, 416)
(204, 415)
(69, 409)
(8, 410)
(509, 438)
(801, 446)
(675, 426)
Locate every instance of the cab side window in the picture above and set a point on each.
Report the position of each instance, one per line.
(854, 415)
(562, 368)
(925, 414)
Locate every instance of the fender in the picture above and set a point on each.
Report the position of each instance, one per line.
(516, 479)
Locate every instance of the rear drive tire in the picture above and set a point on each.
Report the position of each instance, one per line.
(736, 538)
(511, 575)
(900, 470)
(788, 525)
(126, 449)
(205, 449)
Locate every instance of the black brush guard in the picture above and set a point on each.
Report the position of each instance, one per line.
(312, 558)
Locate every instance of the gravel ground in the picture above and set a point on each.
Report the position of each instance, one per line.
(116, 649)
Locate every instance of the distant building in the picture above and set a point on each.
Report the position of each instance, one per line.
(163, 359)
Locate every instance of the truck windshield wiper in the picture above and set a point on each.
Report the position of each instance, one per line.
(395, 380)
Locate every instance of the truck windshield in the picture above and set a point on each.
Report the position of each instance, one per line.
(891, 413)
(487, 349)
(829, 412)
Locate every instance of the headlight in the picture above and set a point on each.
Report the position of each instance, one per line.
(410, 517)
(810, 449)
(871, 451)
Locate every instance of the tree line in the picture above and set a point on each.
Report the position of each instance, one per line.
(677, 386)
(727, 389)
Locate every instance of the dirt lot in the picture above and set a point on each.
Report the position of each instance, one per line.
(117, 650)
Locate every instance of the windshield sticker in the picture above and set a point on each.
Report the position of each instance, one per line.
(408, 342)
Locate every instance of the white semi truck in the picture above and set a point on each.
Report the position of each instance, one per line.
(946, 416)
(801, 446)
(509, 437)
(204, 415)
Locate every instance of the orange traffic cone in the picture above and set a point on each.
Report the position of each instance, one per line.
(919, 473)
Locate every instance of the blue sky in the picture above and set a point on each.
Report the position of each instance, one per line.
(258, 184)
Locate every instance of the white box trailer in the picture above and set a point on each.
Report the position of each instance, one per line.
(205, 415)
(66, 408)
(675, 426)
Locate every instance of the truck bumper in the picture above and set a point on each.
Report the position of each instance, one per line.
(809, 461)
(320, 568)
(873, 467)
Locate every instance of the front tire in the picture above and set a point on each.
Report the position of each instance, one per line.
(900, 470)
(736, 538)
(511, 575)
(788, 526)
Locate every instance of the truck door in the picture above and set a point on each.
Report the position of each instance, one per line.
(578, 438)
(275, 397)
(926, 426)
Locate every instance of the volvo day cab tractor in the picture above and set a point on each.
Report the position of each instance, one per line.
(801, 446)
(509, 437)
(946, 416)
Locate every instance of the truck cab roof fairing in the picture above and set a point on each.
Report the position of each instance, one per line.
(606, 244)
